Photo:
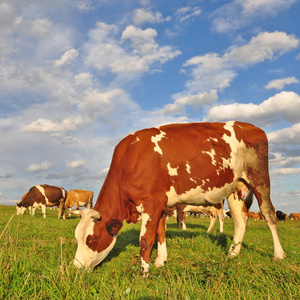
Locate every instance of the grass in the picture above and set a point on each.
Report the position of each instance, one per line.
(36, 262)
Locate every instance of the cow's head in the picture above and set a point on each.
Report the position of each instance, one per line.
(95, 238)
(20, 209)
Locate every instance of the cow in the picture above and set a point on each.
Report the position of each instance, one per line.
(79, 198)
(254, 215)
(194, 164)
(295, 216)
(42, 196)
(212, 211)
(280, 215)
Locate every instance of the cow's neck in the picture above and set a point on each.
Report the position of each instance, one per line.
(109, 204)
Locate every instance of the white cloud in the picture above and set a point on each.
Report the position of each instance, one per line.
(196, 101)
(187, 12)
(211, 71)
(46, 165)
(285, 171)
(285, 105)
(238, 14)
(142, 16)
(75, 164)
(106, 51)
(66, 58)
(45, 125)
(271, 6)
(290, 135)
(84, 5)
(279, 84)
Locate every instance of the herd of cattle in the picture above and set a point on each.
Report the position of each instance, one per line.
(197, 164)
(42, 196)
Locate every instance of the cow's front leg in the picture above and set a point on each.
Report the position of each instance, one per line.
(161, 243)
(240, 217)
(147, 238)
(43, 210)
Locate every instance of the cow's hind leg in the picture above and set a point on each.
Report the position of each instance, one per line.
(268, 212)
(213, 220)
(161, 243)
(240, 217)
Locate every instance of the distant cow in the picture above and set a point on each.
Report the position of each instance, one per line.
(79, 198)
(254, 215)
(42, 196)
(295, 216)
(280, 215)
(194, 164)
(212, 211)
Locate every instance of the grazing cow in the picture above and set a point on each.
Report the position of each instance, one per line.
(295, 216)
(280, 215)
(195, 164)
(212, 211)
(79, 198)
(42, 196)
(254, 215)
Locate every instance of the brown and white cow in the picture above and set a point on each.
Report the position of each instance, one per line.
(43, 196)
(79, 198)
(195, 164)
(295, 216)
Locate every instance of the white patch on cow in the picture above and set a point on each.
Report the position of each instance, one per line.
(63, 193)
(161, 254)
(145, 218)
(42, 191)
(144, 265)
(212, 154)
(212, 139)
(183, 225)
(188, 167)
(197, 196)
(86, 257)
(172, 171)
(156, 139)
(140, 208)
(137, 140)
(81, 203)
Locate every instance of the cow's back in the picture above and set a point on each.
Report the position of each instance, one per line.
(183, 157)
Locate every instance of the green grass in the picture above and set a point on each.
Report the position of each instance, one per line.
(36, 262)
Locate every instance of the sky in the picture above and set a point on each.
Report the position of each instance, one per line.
(77, 76)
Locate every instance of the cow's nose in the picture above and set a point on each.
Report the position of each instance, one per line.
(77, 264)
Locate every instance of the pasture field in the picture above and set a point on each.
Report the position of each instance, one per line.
(36, 262)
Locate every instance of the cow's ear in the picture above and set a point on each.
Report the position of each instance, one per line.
(113, 226)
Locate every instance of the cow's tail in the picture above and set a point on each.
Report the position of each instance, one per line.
(249, 199)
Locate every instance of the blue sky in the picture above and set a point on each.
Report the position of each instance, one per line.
(78, 76)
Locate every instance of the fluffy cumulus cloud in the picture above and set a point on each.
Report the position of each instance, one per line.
(290, 135)
(66, 58)
(284, 105)
(46, 165)
(106, 50)
(196, 101)
(142, 16)
(45, 125)
(239, 14)
(279, 84)
(75, 164)
(214, 71)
